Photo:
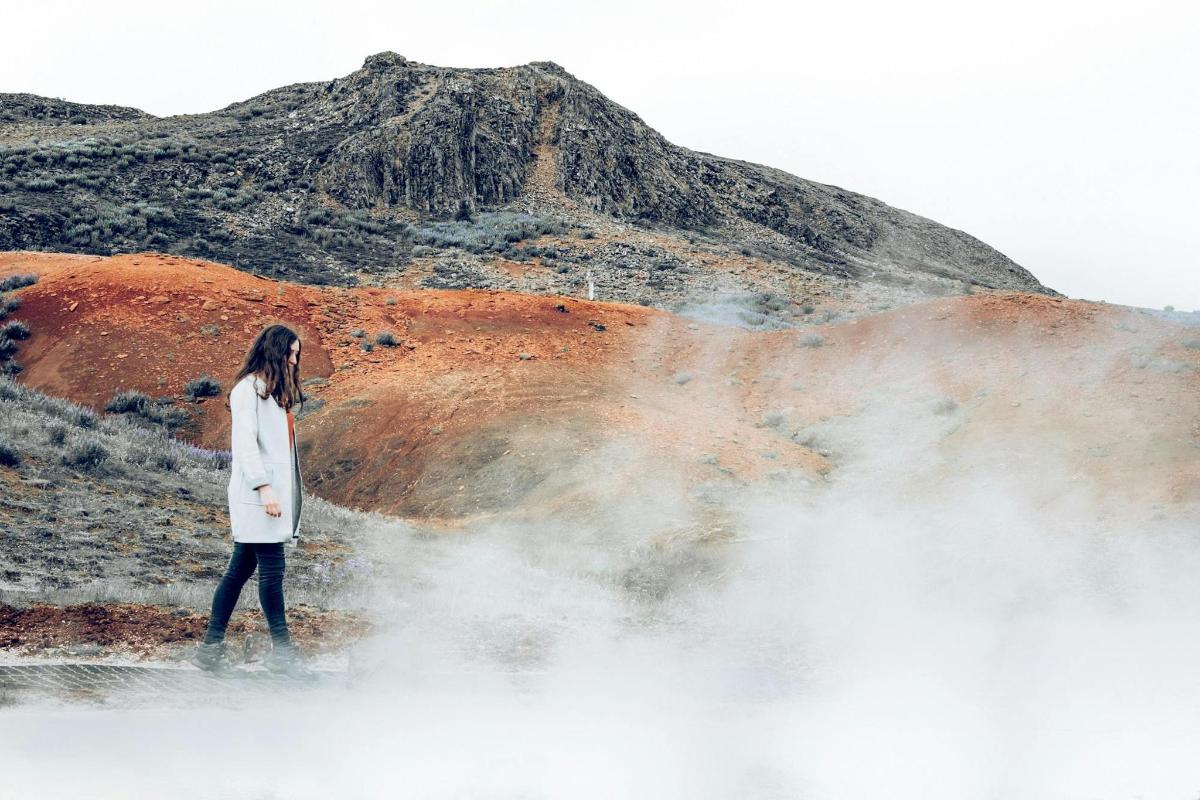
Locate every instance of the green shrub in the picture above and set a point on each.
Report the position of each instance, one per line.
(386, 338)
(203, 386)
(488, 232)
(92, 181)
(250, 112)
(156, 214)
(9, 456)
(165, 460)
(80, 233)
(170, 418)
(17, 282)
(15, 330)
(85, 454)
(143, 408)
(234, 202)
(40, 184)
(128, 402)
(772, 419)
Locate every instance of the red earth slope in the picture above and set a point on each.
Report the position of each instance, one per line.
(494, 401)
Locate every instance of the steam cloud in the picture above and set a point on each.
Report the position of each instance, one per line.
(929, 623)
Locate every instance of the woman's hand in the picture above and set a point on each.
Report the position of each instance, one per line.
(269, 500)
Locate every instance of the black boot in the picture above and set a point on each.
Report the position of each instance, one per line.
(286, 659)
(210, 657)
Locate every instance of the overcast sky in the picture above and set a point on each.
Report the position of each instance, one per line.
(1064, 134)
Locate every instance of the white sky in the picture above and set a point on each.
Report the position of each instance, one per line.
(1065, 134)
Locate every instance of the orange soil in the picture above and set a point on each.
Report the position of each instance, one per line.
(153, 631)
(406, 429)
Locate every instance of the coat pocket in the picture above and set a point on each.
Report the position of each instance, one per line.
(248, 495)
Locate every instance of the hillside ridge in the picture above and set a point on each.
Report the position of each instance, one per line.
(404, 173)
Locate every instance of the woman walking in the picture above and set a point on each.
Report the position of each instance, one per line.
(265, 497)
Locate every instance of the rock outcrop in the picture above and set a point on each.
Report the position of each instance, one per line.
(338, 182)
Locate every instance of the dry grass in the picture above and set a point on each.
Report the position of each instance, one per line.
(104, 509)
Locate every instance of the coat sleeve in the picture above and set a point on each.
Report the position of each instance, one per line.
(243, 405)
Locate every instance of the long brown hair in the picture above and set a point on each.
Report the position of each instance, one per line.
(268, 358)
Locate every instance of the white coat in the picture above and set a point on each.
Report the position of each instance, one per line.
(261, 454)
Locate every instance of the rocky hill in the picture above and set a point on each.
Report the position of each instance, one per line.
(416, 176)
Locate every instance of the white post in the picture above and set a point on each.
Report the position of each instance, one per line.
(591, 286)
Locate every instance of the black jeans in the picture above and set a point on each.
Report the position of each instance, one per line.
(268, 559)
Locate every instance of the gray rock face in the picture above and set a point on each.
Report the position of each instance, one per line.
(438, 141)
(332, 183)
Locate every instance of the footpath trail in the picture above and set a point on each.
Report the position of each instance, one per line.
(122, 683)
